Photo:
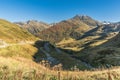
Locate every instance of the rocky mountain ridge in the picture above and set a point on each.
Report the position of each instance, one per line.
(33, 26)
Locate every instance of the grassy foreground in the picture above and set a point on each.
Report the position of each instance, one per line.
(24, 69)
(16, 63)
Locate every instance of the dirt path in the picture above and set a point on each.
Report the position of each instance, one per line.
(4, 45)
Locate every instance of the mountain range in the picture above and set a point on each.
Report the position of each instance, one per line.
(78, 43)
(85, 42)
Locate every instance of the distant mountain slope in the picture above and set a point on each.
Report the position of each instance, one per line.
(112, 27)
(12, 33)
(33, 26)
(104, 31)
(68, 28)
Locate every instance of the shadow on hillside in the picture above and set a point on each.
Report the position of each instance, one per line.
(39, 55)
(93, 32)
(43, 54)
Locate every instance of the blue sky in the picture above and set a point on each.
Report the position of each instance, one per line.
(56, 10)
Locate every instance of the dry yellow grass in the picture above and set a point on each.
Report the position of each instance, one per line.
(68, 43)
(65, 41)
(26, 51)
(74, 48)
(97, 43)
(21, 68)
(16, 63)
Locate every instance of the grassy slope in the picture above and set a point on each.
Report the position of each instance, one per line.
(16, 66)
(12, 33)
(78, 45)
(25, 51)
